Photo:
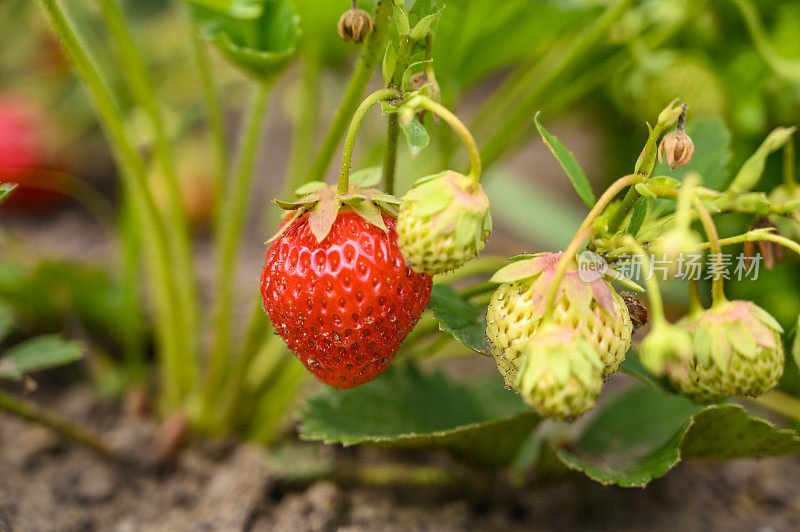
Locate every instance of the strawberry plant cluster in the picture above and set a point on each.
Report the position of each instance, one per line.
(367, 280)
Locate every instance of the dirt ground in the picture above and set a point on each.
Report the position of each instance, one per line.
(47, 484)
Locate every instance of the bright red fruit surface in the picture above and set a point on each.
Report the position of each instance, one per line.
(345, 305)
(23, 155)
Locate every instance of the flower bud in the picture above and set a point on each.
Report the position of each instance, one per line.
(678, 148)
(443, 222)
(561, 374)
(667, 349)
(673, 248)
(355, 25)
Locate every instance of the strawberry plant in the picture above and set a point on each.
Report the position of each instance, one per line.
(368, 281)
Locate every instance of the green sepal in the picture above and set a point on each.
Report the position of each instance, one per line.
(741, 340)
(721, 349)
(371, 213)
(702, 345)
(521, 269)
(766, 318)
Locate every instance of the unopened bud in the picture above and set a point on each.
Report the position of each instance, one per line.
(678, 149)
(355, 25)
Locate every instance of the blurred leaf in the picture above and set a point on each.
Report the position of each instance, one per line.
(480, 421)
(424, 25)
(712, 142)
(7, 320)
(568, 162)
(643, 433)
(530, 210)
(458, 317)
(417, 136)
(262, 46)
(367, 177)
(233, 8)
(37, 354)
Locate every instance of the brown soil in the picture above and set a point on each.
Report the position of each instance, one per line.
(47, 484)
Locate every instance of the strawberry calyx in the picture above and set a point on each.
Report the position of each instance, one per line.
(323, 203)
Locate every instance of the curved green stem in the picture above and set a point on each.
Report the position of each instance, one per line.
(372, 52)
(755, 236)
(584, 231)
(786, 68)
(424, 102)
(717, 284)
(352, 133)
(228, 234)
(653, 290)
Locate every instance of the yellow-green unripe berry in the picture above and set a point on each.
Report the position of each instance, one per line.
(443, 222)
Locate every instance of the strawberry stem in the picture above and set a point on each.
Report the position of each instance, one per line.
(352, 133)
(582, 234)
(423, 102)
(653, 290)
(717, 284)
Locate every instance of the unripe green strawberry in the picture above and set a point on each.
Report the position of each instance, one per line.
(667, 349)
(673, 248)
(738, 349)
(443, 222)
(561, 374)
(517, 309)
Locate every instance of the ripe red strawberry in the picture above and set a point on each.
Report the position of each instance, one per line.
(343, 305)
(23, 155)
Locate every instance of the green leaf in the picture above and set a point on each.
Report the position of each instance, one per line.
(401, 21)
(480, 421)
(417, 136)
(7, 320)
(638, 216)
(389, 64)
(568, 162)
(37, 354)
(261, 46)
(643, 433)
(424, 25)
(460, 318)
(729, 431)
(712, 142)
(367, 177)
(5, 190)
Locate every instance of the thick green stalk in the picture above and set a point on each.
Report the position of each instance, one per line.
(372, 52)
(228, 237)
(215, 116)
(392, 122)
(177, 229)
(352, 133)
(653, 290)
(789, 180)
(175, 379)
(63, 427)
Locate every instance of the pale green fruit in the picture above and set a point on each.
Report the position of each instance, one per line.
(516, 311)
(561, 373)
(738, 349)
(443, 222)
